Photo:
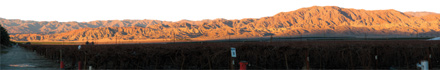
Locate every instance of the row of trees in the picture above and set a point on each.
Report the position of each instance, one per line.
(4, 37)
(394, 54)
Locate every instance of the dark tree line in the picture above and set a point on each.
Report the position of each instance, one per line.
(397, 54)
(4, 37)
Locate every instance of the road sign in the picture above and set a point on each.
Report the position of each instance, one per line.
(233, 54)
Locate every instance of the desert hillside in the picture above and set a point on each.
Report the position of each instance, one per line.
(310, 21)
(16, 26)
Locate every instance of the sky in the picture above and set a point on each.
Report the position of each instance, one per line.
(176, 10)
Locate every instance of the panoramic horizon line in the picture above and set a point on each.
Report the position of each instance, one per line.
(132, 19)
(208, 18)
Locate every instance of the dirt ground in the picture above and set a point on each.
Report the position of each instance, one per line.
(17, 58)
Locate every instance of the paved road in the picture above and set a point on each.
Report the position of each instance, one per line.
(18, 58)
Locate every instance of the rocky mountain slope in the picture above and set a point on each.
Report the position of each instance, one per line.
(16, 26)
(310, 21)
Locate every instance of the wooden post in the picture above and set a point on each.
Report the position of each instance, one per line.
(285, 58)
(429, 57)
(79, 65)
(209, 62)
(376, 58)
(45, 53)
(232, 63)
(351, 59)
(183, 62)
(307, 60)
(85, 60)
(61, 55)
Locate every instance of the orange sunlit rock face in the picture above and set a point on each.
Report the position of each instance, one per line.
(310, 21)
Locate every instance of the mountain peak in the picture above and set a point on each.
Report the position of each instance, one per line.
(324, 7)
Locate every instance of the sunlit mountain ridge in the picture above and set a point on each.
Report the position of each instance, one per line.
(310, 21)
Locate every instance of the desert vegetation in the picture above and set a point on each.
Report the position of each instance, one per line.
(260, 55)
(4, 37)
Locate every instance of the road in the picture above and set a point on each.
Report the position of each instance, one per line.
(18, 58)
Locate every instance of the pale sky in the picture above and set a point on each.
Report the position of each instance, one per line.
(175, 10)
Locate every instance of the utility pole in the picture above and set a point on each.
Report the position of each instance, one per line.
(116, 39)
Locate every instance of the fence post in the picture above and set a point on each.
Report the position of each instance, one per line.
(79, 65)
(232, 64)
(429, 56)
(85, 60)
(285, 58)
(61, 59)
(209, 62)
(183, 60)
(375, 58)
(45, 53)
(307, 60)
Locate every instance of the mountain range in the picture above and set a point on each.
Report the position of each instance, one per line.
(309, 21)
